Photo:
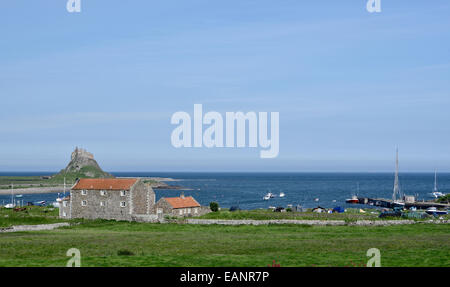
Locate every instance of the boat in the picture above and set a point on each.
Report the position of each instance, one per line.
(316, 199)
(59, 199)
(397, 194)
(268, 196)
(282, 194)
(19, 196)
(436, 193)
(434, 210)
(352, 200)
(12, 204)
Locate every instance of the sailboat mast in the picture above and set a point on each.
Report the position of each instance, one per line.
(435, 181)
(396, 182)
(64, 186)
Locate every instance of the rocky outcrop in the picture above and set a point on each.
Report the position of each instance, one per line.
(82, 164)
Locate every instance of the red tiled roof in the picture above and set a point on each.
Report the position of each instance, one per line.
(182, 202)
(105, 183)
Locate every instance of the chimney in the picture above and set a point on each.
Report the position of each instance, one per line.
(182, 195)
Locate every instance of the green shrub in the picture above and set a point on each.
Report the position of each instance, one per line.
(214, 206)
(444, 199)
(124, 252)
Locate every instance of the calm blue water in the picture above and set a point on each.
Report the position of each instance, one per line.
(247, 189)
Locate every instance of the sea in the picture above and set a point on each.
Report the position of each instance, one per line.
(246, 190)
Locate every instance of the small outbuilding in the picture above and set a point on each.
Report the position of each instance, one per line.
(179, 206)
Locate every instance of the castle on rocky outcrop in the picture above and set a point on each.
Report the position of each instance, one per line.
(82, 164)
(79, 152)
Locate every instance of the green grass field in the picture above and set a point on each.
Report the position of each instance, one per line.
(142, 244)
(33, 215)
(351, 215)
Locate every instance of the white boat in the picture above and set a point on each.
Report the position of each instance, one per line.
(59, 199)
(397, 194)
(438, 194)
(434, 210)
(268, 196)
(282, 194)
(316, 199)
(435, 192)
(13, 203)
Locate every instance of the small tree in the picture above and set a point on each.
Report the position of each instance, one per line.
(214, 206)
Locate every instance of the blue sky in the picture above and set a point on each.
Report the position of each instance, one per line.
(349, 85)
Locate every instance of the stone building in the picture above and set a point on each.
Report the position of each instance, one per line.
(108, 198)
(179, 206)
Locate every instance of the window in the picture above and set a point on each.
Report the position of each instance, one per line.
(195, 210)
(103, 192)
(123, 192)
(83, 203)
(102, 203)
(123, 204)
(189, 211)
(64, 214)
(83, 192)
(181, 211)
(64, 203)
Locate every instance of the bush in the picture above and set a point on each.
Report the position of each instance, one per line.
(289, 210)
(214, 206)
(444, 199)
(124, 252)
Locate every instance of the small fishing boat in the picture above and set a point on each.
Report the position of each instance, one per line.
(282, 194)
(19, 196)
(316, 199)
(352, 200)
